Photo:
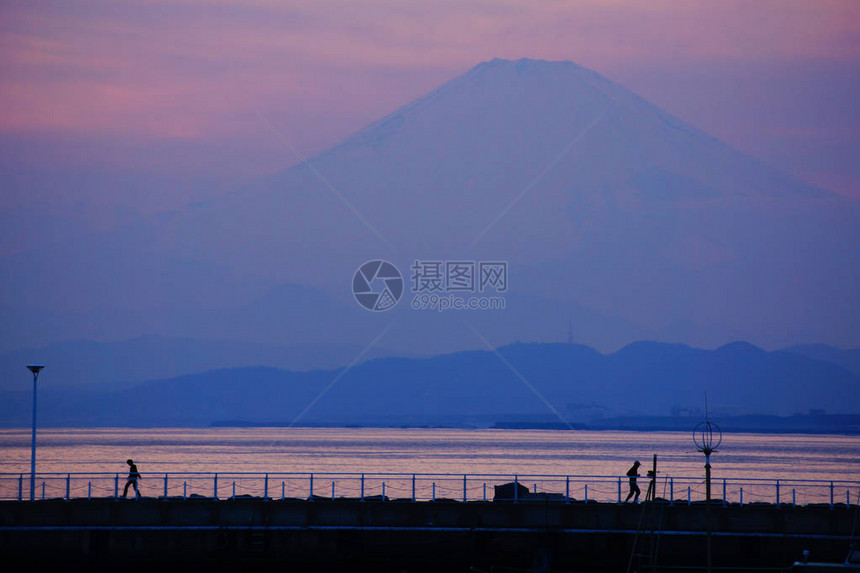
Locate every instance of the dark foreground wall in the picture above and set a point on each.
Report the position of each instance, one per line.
(396, 536)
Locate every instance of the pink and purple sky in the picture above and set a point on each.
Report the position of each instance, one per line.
(116, 110)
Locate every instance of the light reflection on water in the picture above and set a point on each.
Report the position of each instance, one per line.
(456, 451)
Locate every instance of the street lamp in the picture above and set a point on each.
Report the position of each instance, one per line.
(34, 368)
(707, 436)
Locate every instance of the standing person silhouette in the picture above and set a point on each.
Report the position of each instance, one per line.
(133, 476)
(633, 473)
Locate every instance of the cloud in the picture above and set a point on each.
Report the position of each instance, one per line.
(186, 69)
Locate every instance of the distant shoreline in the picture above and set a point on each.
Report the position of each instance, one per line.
(804, 424)
(824, 424)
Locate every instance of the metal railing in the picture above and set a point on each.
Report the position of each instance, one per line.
(425, 487)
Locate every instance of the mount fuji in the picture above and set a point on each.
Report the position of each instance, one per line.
(618, 221)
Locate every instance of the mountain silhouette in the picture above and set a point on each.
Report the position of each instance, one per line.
(614, 216)
(548, 382)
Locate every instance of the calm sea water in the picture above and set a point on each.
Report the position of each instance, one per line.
(370, 450)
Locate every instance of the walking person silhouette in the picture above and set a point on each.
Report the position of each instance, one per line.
(133, 476)
(633, 473)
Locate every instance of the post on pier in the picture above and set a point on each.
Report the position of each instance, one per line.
(707, 436)
(650, 493)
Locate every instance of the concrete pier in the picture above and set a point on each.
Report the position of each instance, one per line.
(401, 535)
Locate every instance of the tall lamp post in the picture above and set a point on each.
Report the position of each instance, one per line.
(707, 436)
(34, 368)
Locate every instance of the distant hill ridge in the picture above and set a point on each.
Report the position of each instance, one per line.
(98, 366)
(645, 378)
(86, 364)
(848, 358)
